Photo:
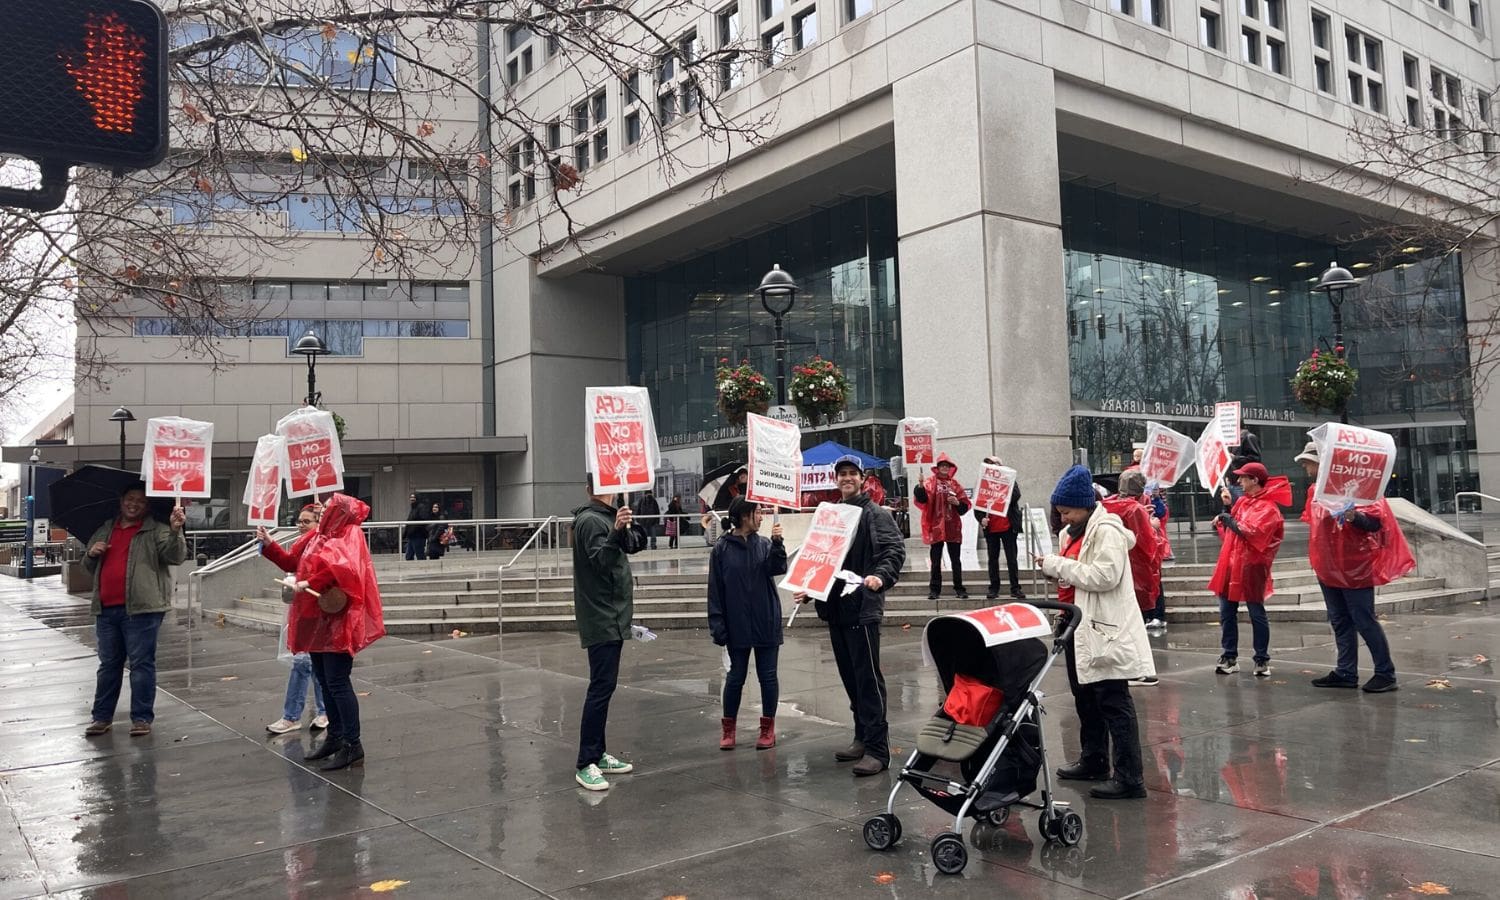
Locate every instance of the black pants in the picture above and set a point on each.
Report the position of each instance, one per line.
(604, 674)
(765, 672)
(993, 540)
(856, 649)
(935, 554)
(332, 673)
(1106, 715)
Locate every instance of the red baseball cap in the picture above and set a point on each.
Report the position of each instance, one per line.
(1254, 470)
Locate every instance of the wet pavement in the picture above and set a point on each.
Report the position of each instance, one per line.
(1258, 787)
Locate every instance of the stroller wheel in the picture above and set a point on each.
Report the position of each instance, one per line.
(997, 817)
(882, 832)
(1070, 828)
(948, 853)
(1049, 824)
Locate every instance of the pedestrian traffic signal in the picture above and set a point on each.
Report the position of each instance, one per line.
(83, 82)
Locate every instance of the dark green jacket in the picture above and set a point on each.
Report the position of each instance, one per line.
(603, 589)
(148, 580)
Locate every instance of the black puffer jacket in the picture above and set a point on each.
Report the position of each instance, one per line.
(878, 550)
(744, 609)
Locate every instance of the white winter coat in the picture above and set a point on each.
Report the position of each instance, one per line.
(1111, 639)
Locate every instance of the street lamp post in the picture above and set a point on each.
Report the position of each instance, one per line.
(311, 347)
(1334, 281)
(778, 293)
(30, 513)
(122, 415)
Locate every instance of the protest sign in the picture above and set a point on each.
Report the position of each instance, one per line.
(819, 478)
(178, 461)
(992, 493)
(1167, 455)
(1227, 419)
(263, 488)
(1354, 464)
(917, 438)
(775, 462)
(621, 439)
(821, 556)
(1213, 457)
(311, 459)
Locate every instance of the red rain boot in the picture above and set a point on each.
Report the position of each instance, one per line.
(726, 739)
(767, 738)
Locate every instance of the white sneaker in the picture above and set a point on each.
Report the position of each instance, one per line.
(319, 723)
(283, 726)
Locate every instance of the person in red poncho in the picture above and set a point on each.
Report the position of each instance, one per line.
(1352, 552)
(1145, 556)
(334, 556)
(943, 503)
(1251, 529)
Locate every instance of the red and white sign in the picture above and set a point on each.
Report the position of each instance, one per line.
(1213, 457)
(1167, 455)
(622, 449)
(1009, 622)
(775, 462)
(178, 461)
(311, 461)
(263, 489)
(819, 478)
(1354, 464)
(821, 556)
(1227, 418)
(917, 438)
(992, 493)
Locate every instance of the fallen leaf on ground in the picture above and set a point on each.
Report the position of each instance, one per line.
(1416, 740)
(1476, 691)
(1441, 684)
(426, 651)
(361, 693)
(219, 622)
(390, 884)
(1431, 888)
(884, 878)
(1481, 658)
(230, 678)
(1309, 672)
(458, 634)
(906, 626)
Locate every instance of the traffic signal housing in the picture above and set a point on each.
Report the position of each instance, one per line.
(83, 82)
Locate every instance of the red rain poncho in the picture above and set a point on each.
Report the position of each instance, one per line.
(1243, 574)
(942, 522)
(1146, 555)
(1346, 556)
(333, 554)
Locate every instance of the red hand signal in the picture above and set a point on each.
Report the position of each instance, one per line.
(110, 71)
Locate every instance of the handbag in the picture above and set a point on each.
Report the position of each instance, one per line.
(447, 537)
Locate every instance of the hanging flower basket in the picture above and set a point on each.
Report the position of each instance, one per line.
(819, 390)
(1325, 381)
(741, 390)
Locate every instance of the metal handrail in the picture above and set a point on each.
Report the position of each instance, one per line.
(1477, 494)
(550, 523)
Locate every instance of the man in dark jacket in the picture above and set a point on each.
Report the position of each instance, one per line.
(1003, 530)
(603, 604)
(649, 509)
(853, 613)
(130, 558)
(415, 532)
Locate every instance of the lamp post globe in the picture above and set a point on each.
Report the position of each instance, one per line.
(778, 293)
(122, 415)
(1334, 281)
(310, 347)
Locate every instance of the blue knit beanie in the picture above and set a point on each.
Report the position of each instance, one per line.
(1075, 489)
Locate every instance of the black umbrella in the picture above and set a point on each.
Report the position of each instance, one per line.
(717, 482)
(89, 497)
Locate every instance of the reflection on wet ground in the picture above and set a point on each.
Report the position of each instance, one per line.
(1258, 787)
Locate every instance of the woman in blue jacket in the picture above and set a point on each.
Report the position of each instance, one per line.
(744, 613)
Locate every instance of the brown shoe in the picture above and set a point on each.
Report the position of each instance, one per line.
(97, 728)
(140, 729)
(856, 751)
(869, 766)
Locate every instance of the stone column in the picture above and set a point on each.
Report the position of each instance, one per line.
(1481, 294)
(983, 323)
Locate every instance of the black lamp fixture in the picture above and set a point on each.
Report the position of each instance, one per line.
(311, 347)
(122, 415)
(778, 294)
(36, 458)
(1334, 281)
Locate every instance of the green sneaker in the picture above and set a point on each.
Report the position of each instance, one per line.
(590, 779)
(614, 766)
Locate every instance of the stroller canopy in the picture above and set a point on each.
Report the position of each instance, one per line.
(1004, 646)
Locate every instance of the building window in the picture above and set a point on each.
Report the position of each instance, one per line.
(1263, 34)
(1474, 13)
(1486, 125)
(1447, 104)
(770, 9)
(805, 30)
(554, 134)
(518, 53)
(1322, 52)
(1411, 75)
(1208, 30)
(591, 130)
(630, 107)
(1150, 11)
(731, 66)
(853, 9)
(520, 162)
(789, 28)
(1366, 81)
(676, 92)
(773, 45)
(632, 129)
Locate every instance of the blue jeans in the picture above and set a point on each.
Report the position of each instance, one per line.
(296, 689)
(765, 672)
(1260, 629)
(416, 547)
(122, 637)
(604, 674)
(1351, 611)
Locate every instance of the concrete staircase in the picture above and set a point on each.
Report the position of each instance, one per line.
(440, 602)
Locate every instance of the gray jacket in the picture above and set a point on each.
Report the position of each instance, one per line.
(148, 578)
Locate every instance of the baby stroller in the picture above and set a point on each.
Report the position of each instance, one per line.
(997, 657)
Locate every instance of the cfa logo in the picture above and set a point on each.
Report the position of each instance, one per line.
(612, 404)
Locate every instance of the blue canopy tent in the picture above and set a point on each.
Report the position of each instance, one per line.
(828, 452)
